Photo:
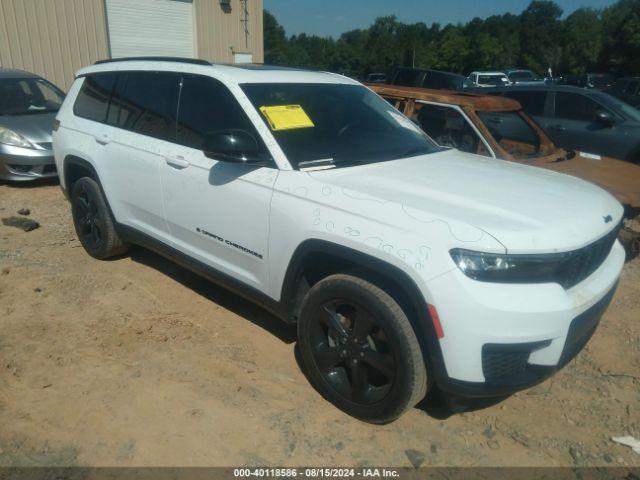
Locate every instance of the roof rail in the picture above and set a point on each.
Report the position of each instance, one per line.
(195, 61)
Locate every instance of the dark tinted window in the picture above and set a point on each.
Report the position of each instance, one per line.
(532, 102)
(571, 106)
(92, 101)
(407, 77)
(435, 80)
(207, 106)
(147, 103)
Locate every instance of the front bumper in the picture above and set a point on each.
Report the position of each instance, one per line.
(501, 338)
(24, 164)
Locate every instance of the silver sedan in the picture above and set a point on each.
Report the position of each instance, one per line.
(28, 106)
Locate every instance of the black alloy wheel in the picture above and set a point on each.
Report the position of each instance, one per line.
(352, 351)
(359, 349)
(93, 222)
(88, 217)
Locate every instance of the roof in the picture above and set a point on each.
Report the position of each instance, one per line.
(10, 73)
(241, 73)
(463, 99)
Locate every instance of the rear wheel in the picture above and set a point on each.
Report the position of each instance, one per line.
(359, 349)
(93, 222)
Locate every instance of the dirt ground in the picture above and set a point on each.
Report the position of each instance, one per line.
(138, 362)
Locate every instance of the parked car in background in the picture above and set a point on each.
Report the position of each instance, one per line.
(588, 121)
(312, 196)
(627, 89)
(598, 81)
(498, 127)
(28, 106)
(489, 79)
(427, 78)
(377, 78)
(523, 77)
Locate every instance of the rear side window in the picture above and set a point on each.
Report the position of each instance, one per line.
(207, 106)
(92, 101)
(532, 102)
(146, 103)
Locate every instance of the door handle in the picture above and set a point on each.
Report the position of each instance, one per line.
(177, 161)
(558, 128)
(102, 139)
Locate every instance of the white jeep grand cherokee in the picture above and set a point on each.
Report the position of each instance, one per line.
(405, 265)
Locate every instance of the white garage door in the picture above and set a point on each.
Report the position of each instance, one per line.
(150, 28)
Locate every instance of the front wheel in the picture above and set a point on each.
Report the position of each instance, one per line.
(359, 349)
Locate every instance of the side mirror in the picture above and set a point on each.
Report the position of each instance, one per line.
(605, 118)
(234, 146)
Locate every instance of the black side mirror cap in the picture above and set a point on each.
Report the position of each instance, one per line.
(234, 146)
(605, 118)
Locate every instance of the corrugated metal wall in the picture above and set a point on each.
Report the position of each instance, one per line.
(220, 31)
(52, 38)
(55, 38)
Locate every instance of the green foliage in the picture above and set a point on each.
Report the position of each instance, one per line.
(606, 40)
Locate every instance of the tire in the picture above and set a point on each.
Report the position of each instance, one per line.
(93, 221)
(359, 350)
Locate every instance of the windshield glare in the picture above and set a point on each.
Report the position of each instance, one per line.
(23, 96)
(336, 125)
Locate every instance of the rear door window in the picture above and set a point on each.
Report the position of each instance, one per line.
(92, 101)
(147, 103)
(572, 106)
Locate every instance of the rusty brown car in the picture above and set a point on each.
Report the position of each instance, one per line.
(498, 127)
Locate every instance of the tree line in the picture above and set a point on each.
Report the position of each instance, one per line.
(587, 40)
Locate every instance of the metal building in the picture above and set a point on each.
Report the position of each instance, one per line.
(54, 38)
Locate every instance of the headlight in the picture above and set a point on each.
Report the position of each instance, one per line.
(502, 268)
(9, 137)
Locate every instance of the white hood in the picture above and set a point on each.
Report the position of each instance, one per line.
(527, 209)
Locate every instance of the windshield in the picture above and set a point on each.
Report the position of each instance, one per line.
(23, 96)
(335, 125)
(619, 106)
(521, 75)
(512, 133)
(492, 79)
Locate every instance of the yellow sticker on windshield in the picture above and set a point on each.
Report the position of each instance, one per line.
(286, 117)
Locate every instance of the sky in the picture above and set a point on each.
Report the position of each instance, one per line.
(333, 17)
